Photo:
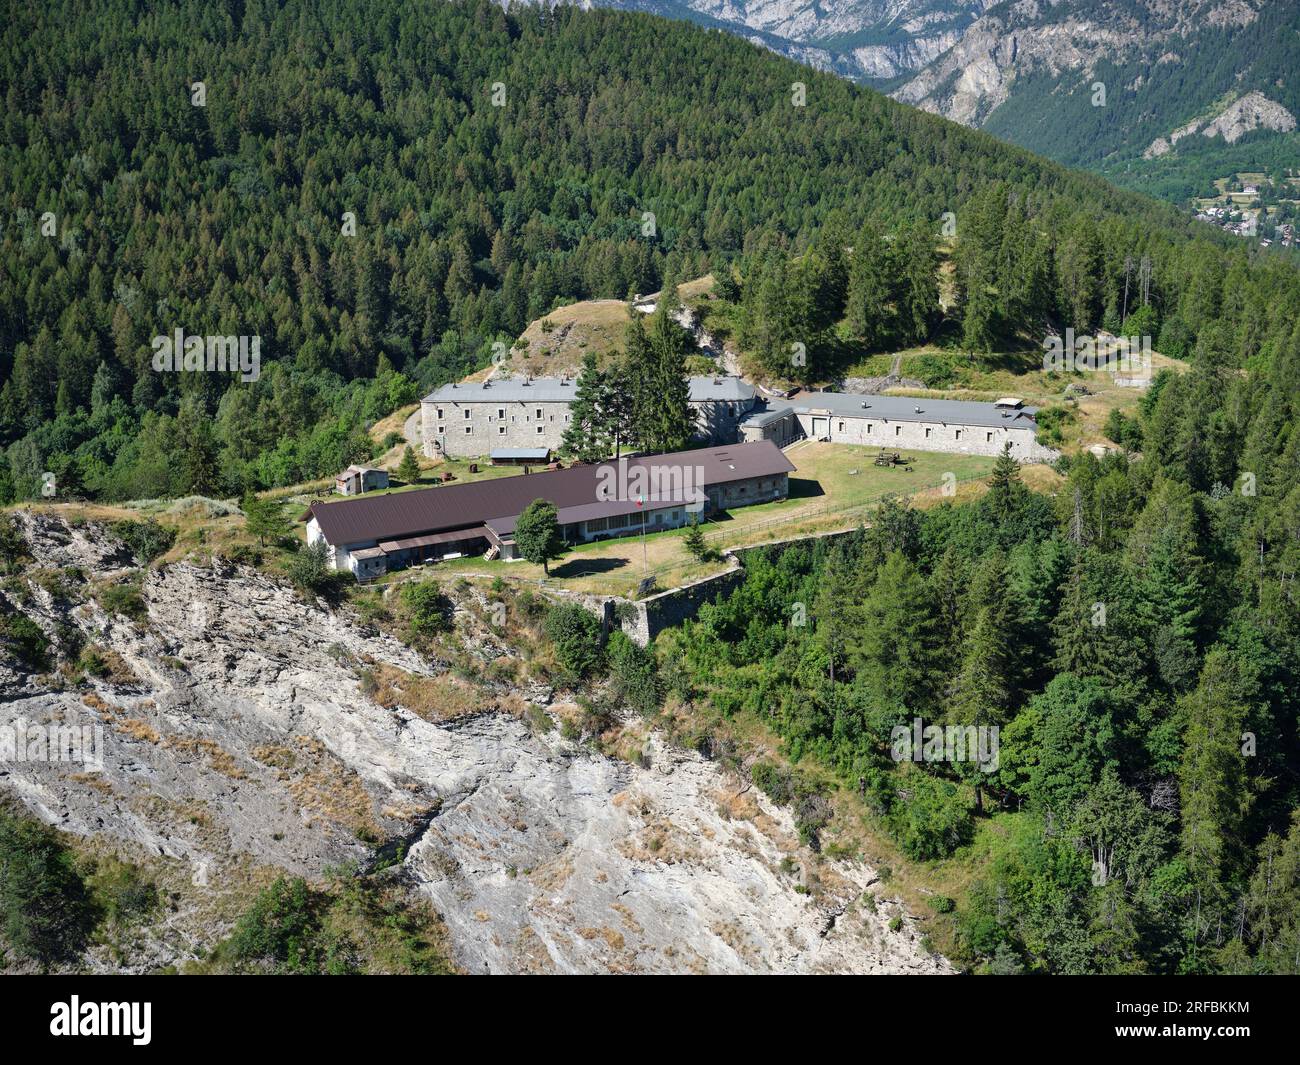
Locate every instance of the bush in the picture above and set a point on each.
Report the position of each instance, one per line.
(124, 599)
(24, 639)
(772, 781)
(934, 819)
(45, 911)
(575, 632)
(146, 539)
(13, 548)
(310, 571)
(281, 932)
(634, 673)
(121, 892)
(430, 610)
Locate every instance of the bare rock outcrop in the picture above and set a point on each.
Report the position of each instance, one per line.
(241, 727)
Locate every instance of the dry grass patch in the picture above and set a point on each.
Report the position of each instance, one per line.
(219, 760)
(435, 699)
(322, 785)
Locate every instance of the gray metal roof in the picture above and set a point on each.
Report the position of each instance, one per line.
(509, 390)
(905, 409)
(726, 389)
(767, 417)
(561, 390)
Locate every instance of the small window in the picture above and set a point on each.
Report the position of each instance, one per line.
(988, 438)
(439, 412)
(956, 434)
(539, 414)
(442, 428)
(540, 428)
(467, 414)
(841, 427)
(927, 432)
(869, 427)
(898, 430)
(469, 429)
(501, 431)
(501, 413)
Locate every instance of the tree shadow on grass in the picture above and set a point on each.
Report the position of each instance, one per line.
(587, 567)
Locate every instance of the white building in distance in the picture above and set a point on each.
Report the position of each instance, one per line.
(904, 422)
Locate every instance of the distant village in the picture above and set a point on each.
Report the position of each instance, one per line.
(1251, 208)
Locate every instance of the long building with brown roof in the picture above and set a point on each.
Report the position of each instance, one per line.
(374, 533)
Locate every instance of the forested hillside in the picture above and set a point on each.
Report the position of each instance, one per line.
(1137, 643)
(471, 219)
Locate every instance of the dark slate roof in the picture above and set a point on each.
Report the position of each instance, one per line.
(499, 501)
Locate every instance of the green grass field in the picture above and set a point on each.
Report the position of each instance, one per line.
(832, 488)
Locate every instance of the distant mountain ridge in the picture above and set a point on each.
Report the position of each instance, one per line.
(1028, 70)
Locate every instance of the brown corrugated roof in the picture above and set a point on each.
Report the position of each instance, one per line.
(403, 514)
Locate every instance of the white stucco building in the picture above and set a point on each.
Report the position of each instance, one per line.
(959, 426)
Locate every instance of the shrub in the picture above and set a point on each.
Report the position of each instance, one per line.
(310, 571)
(125, 599)
(430, 610)
(281, 932)
(634, 673)
(24, 639)
(146, 539)
(575, 632)
(45, 911)
(934, 819)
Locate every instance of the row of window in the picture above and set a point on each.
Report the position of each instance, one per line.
(630, 521)
(898, 431)
(501, 414)
(501, 430)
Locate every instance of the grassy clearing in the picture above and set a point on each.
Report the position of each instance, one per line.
(831, 489)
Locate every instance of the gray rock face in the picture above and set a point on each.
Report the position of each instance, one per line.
(236, 731)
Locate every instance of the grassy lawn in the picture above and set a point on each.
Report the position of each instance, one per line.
(831, 489)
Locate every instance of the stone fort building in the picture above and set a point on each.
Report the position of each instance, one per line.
(474, 419)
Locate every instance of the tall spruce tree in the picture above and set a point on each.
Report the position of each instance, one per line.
(586, 436)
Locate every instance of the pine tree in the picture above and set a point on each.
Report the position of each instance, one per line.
(264, 518)
(983, 690)
(1213, 792)
(867, 310)
(836, 610)
(408, 470)
(694, 541)
(585, 437)
(666, 420)
(892, 650)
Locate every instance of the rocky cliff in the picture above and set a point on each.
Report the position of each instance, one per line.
(245, 730)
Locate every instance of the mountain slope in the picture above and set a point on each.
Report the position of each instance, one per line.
(1026, 70)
